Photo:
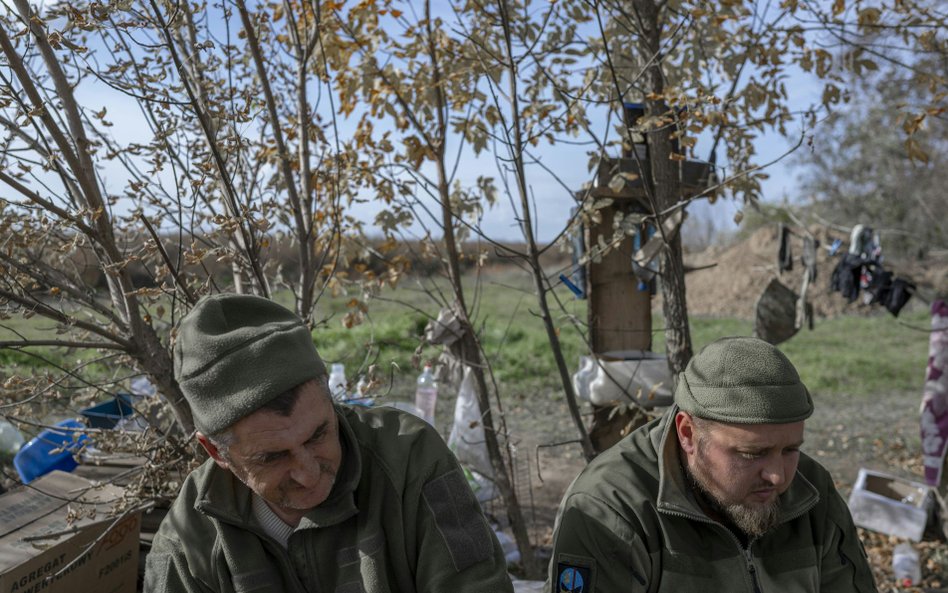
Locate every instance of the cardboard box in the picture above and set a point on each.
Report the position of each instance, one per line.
(891, 505)
(50, 539)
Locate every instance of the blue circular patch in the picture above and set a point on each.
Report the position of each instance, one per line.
(571, 581)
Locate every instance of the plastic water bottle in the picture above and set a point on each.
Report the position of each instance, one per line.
(10, 439)
(905, 565)
(426, 395)
(337, 381)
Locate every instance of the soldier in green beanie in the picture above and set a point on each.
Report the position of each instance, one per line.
(713, 496)
(301, 494)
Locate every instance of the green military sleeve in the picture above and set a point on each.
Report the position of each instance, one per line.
(596, 550)
(166, 569)
(844, 567)
(456, 551)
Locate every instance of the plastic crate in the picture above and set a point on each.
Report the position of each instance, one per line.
(891, 505)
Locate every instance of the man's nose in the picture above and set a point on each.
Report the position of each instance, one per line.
(774, 472)
(305, 470)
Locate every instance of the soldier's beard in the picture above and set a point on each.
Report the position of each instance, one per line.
(753, 520)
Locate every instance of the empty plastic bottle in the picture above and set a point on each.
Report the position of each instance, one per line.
(426, 395)
(905, 565)
(337, 382)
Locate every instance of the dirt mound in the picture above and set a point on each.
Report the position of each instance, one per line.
(743, 269)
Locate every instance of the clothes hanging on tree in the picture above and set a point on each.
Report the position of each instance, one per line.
(899, 294)
(846, 274)
(863, 241)
(784, 253)
(934, 420)
(891, 292)
(861, 269)
(880, 286)
(810, 246)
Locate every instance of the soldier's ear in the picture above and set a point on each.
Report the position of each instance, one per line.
(685, 427)
(213, 450)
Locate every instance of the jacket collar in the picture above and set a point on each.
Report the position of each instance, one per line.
(676, 497)
(221, 495)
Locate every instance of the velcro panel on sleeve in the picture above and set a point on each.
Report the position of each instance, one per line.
(459, 519)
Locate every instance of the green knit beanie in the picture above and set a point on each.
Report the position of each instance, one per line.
(233, 353)
(744, 381)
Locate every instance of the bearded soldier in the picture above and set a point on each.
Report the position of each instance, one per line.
(713, 496)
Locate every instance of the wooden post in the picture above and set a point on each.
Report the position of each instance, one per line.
(620, 307)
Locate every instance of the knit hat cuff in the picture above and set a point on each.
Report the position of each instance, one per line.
(745, 404)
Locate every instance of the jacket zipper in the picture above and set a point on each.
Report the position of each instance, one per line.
(748, 558)
(746, 552)
(285, 559)
(751, 568)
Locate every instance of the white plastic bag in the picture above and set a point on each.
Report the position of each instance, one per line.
(468, 442)
(638, 376)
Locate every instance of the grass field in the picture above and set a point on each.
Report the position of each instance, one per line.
(858, 354)
(867, 355)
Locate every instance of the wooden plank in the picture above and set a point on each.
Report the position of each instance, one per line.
(620, 315)
(695, 176)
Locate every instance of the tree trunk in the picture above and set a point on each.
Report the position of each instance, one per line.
(153, 358)
(666, 191)
(471, 351)
(533, 252)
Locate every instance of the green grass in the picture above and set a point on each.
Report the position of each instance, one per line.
(505, 317)
(18, 328)
(867, 355)
(860, 355)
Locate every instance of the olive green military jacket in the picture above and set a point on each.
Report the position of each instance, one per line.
(401, 518)
(628, 523)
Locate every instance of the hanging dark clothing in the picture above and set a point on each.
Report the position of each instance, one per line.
(880, 286)
(784, 255)
(899, 294)
(845, 277)
(809, 256)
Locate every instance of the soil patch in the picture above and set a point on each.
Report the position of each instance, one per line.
(743, 269)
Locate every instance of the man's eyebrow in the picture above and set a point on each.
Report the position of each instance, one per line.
(766, 447)
(320, 431)
(263, 455)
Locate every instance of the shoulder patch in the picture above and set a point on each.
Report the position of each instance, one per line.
(459, 519)
(574, 574)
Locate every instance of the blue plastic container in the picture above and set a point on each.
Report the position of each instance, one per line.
(107, 414)
(35, 459)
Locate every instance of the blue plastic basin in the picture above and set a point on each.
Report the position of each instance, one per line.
(35, 458)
